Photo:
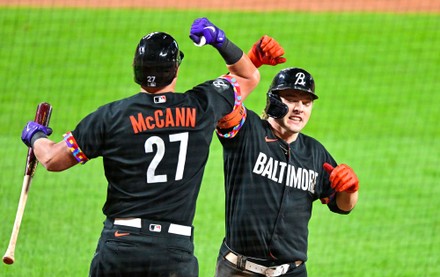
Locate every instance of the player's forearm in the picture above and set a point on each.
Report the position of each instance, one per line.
(346, 201)
(240, 66)
(246, 73)
(53, 156)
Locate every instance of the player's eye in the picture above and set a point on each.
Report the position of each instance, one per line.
(291, 99)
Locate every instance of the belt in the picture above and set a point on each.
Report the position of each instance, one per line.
(154, 226)
(242, 263)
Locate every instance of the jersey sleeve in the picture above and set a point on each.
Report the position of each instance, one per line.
(216, 95)
(89, 135)
(326, 194)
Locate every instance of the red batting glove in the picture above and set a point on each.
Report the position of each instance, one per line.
(266, 51)
(342, 178)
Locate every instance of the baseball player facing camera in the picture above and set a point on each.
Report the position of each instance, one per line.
(273, 174)
(147, 143)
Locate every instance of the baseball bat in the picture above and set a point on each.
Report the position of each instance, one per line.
(42, 116)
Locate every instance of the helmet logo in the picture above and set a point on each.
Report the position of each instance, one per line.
(300, 79)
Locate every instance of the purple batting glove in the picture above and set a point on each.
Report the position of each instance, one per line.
(202, 27)
(31, 129)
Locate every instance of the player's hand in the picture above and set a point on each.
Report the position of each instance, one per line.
(31, 129)
(342, 178)
(266, 51)
(202, 27)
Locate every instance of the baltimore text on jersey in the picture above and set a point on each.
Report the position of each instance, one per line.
(299, 178)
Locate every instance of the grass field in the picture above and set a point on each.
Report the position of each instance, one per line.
(377, 76)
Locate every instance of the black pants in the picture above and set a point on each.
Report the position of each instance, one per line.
(224, 268)
(129, 251)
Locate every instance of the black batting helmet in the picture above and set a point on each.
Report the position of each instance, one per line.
(156, 60)
(288, 79)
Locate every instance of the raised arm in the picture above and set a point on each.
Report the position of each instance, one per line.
(238, 63)
(264, 51)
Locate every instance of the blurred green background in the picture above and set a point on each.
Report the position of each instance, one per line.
(377, 76)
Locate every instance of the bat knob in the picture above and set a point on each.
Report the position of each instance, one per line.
(201, 42)
(8, 260)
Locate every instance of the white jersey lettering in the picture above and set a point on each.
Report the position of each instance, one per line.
(281, 172)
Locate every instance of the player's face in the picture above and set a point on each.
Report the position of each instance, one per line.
(300, 108)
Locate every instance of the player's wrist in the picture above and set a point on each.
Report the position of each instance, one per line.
(230, 52)
(38, 135)
(31, 132)
(254, 58)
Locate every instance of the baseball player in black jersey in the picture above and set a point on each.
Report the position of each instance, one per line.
(154, 146)
(273, 174)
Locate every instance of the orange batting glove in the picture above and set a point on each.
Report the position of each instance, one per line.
(266, 51)
(342, 178)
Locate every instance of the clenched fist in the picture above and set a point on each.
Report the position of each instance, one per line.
(266, 51)
(213, 35)
(342, 178)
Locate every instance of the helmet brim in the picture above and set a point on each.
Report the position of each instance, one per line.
(295, 88)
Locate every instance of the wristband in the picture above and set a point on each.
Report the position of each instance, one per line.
(230, 52)
(36, 136)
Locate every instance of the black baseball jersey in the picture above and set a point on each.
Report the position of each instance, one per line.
(155, 148)
(270, 186)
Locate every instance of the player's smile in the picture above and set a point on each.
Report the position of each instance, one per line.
(295, 118)
(294, 123)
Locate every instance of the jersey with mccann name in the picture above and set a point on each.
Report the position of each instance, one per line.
(270, 187)
(154, 149)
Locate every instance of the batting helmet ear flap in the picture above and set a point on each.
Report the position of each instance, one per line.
(275, 107)
(180, 58)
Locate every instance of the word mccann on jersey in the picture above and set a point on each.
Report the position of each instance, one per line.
(170, 117)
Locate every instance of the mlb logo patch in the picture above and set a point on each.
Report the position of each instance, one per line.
(160, 99)
(155, 228)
